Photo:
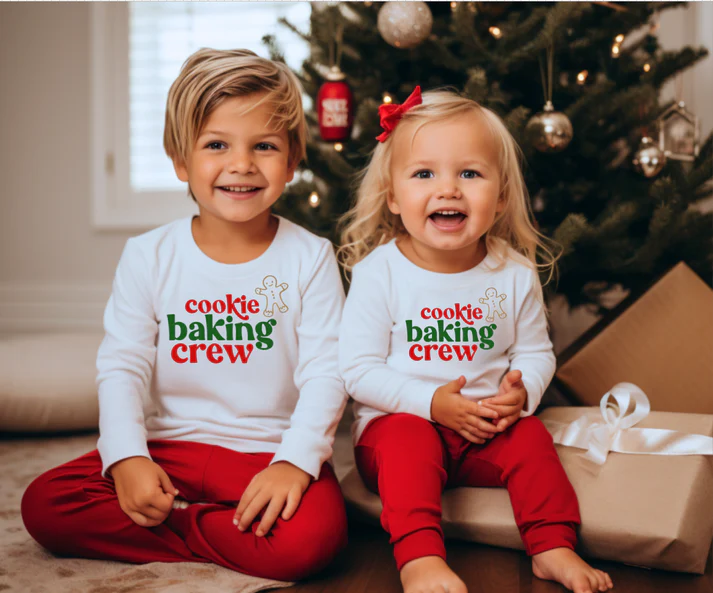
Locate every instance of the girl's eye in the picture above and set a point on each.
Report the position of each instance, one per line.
(215, 145)
(265, 146)
(470, 174)
(424, 174)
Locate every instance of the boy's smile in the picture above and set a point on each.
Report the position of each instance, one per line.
(238, 167)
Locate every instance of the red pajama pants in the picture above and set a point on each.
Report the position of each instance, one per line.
(73, 511)
(408, 461)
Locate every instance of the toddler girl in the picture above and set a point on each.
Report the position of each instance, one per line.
(444, 342)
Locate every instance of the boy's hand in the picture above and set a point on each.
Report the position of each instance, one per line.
(144, 490)
(278, 485)
(450, 409)
(509, 401)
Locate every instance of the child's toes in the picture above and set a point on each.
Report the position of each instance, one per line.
(605, 582)
(584, 583)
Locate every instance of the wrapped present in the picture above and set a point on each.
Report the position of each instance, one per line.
(662, 342)
(644, 481)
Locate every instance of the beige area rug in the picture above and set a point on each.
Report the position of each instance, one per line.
(25, 567)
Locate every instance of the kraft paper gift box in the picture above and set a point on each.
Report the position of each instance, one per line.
(662, 342)
(647, 510)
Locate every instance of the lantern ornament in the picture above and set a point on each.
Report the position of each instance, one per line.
(679, 133)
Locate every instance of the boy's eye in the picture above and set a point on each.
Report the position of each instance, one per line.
(215, 145)
(470, 174)
(265, 146)
(423, 174)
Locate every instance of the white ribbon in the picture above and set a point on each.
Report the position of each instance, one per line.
(615, 433)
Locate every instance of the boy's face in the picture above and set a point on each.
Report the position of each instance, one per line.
(238, 166)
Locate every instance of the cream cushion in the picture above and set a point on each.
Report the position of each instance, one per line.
(47, 382)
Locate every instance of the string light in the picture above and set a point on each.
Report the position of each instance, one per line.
(615, 50)
(619, 38)
(338, 146)
(453, 5)
(367, 3)
(496, 32)
(582, 77)
(314, 199)
(647, 67)
(387, 98)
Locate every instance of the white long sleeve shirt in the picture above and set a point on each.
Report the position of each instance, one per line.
(243, 356)
(406, 331)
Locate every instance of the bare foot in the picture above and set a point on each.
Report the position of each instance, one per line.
(566, 567)
(430, 574)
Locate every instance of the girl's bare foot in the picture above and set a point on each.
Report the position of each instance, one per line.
(566, 567)
(430, 574)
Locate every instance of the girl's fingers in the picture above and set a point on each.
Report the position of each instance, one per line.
(472, 438)
(293, 501)
(253, 509)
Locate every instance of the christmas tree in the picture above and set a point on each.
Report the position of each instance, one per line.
(616, 226)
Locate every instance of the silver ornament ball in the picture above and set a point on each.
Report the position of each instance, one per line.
(404, 24)
(549, 130)
(648, 159)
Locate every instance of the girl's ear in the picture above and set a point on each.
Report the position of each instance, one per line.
(392, 204)
(181, 170)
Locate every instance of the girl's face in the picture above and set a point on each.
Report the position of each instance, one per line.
(446, 186)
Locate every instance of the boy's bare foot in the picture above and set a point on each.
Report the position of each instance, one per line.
(566, 567)
(430, 574)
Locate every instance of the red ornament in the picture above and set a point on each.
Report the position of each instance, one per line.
(335, 107)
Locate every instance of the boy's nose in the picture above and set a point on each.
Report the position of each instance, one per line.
(241, 163)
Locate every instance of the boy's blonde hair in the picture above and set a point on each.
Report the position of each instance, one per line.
(209, 76)
(370, 223)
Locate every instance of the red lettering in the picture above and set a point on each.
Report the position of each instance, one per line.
(204, 306)
(465, 351)
(253, 306)
(240, 352)
(427, 350)
(437, 313)
(219, 306)
(193, 348)
(478, 313)
(449, 313)
(414, 350)
(179, 348)
(426, 313)
(232, 309)
(189, 303)
(445, 352)
(214, 353)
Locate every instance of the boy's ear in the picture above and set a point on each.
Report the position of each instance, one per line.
(291, 172)
(181, 170)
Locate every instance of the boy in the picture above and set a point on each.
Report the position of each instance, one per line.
(217, 377)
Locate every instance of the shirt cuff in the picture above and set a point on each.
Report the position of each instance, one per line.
(421, 399)
(533, 398)
(303, 450)
(127, 443)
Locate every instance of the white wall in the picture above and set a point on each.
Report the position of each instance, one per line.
(55, 270)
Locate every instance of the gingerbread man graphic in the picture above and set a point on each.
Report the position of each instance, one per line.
(272, 291)
(494, 302)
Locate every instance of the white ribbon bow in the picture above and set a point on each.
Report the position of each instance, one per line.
(615, 433)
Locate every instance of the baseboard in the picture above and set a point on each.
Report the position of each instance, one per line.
(26, 308)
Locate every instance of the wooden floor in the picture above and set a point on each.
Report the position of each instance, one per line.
(367, 566)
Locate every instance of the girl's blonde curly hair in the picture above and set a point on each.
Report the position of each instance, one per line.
(370, 223)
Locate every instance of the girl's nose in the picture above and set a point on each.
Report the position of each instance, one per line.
(450, 191)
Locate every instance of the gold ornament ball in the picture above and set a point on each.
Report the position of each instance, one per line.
(404, 24)
(549, 130)
(648, 159)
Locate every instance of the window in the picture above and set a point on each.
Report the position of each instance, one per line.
(138, 50)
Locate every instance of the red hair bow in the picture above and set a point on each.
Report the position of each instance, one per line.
(390, 114)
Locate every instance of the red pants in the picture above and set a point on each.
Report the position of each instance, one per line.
(409, 461)
(72, 510)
